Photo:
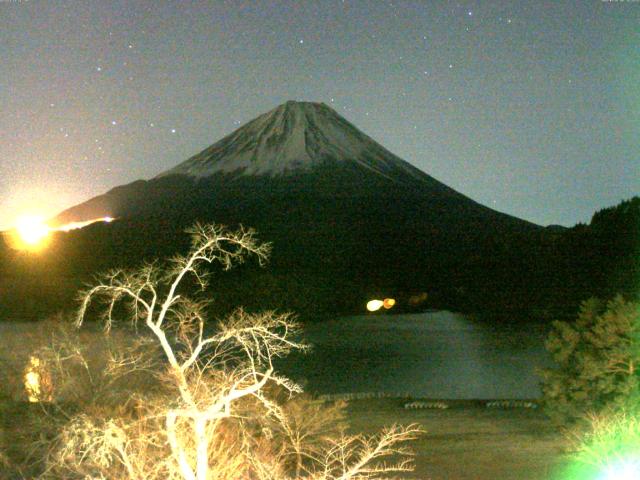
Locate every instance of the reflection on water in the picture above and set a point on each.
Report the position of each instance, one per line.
(432, 355)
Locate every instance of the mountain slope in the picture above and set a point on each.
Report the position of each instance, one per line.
(348, 219)
(296, 147)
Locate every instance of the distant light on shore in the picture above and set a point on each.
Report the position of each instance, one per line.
(388, 303)
(374, 305)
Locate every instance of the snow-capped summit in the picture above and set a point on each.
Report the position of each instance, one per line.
(293, 137)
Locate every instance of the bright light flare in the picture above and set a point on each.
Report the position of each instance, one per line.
(374, 305)
(626, 470)
(30, 233)
(32, 229)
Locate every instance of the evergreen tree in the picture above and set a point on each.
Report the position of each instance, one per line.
(597, 359)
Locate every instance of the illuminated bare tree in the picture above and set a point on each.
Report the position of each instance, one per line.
(213, 377)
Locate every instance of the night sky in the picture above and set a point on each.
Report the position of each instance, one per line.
(531, 108)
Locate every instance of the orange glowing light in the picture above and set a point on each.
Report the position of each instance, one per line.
(37, 381)
(388, 303)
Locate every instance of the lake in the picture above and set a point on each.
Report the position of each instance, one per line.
(440, 355)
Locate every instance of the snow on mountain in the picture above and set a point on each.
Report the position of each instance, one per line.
(293, 137)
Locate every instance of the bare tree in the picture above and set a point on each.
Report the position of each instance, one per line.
(211, 414)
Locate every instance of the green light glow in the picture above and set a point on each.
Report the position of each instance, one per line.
(624, 470)
(610, 450)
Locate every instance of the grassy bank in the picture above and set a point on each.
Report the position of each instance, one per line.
(464, 442)
(469, 441)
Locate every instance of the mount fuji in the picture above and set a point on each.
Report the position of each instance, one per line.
(298, 137)
(348, 219)
(296, 147)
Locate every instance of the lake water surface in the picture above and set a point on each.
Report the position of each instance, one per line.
(433, 355)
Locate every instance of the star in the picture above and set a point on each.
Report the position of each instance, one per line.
(113, 122)
(98, 69)
(173, 130)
